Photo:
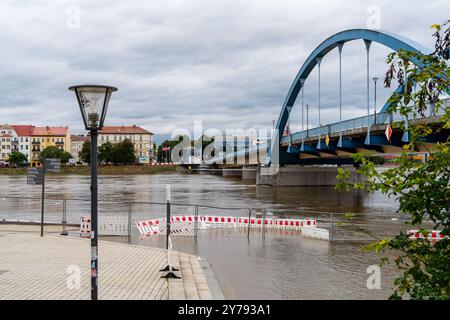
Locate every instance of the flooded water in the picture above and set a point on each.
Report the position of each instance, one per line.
(280, 265)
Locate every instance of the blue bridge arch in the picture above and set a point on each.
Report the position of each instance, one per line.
(390, 40)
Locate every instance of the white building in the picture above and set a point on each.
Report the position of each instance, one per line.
(76, 146)
(23, 133)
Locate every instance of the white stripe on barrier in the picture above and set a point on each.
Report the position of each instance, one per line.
(315, 233)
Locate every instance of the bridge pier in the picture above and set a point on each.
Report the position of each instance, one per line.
(232, 172)
(249, 173)
(301, 176)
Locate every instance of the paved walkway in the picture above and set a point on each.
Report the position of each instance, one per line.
(32, 267)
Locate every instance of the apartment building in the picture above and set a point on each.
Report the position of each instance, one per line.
(43, 137)
(23, 133)
(141, 139)
(77, 142)
(8, 142)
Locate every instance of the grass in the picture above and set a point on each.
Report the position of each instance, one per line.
(102, 170)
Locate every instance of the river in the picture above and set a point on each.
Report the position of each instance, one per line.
(280, 265)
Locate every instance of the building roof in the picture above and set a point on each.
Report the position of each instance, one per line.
(124, 130)
(78, 138)
(49, 131)
(23, 130)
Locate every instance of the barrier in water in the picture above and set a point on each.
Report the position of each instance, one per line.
(184, 225)
(315, 233)
(431, 235)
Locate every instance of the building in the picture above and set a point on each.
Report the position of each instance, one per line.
(43, 137)
(141, 139)
(24, 137)
(77, 142)
(8, 142)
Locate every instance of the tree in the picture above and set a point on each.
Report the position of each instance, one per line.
(85, 152)
(422, 189)
(106, 152)
(17, 158)
(65, 157)
(123, 152)
(50, 152)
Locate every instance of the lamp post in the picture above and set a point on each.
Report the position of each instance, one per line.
(375, 79)
(93, 101)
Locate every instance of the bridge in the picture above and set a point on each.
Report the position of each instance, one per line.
(331, 144)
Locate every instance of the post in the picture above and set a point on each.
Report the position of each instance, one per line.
(375, 101)
(195, 222)
(319, 60)
(263, 226)
(167, 216)
(64, 219)
(340, 46)
(248, 223)
(94, 217)
(307, 120)
(302, 81)
(368, 43)
(42, 197)
(129, 221)
(332, 228)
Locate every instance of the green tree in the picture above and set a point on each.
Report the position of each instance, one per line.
(65, 157)
(422, 189)
(17, 158)
(106, 152)
(123, 152)
(51, 152)
(85, 152)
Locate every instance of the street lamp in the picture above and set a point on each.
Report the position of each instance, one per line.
(375, 79)
(93, 101)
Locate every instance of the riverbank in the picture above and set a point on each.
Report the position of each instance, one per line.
(102, 170)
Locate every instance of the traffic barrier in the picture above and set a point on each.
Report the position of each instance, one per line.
(315, 233)
(430, 235)
(184, 225)
(107, 226)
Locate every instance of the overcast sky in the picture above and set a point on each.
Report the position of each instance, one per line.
(227, 63)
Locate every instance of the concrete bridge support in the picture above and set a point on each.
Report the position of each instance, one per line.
(249, 173)
(232, 172)
(301, 176)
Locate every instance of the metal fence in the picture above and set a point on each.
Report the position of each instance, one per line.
(67, 212)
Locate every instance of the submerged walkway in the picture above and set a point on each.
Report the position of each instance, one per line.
(32, 267)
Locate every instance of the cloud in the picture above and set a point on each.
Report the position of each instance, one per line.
(227, 63)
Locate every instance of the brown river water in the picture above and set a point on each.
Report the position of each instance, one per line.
(278, 265)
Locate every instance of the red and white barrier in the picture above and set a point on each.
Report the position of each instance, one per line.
(85, 227)
(430, 235)
(315, 233)
(184, 225)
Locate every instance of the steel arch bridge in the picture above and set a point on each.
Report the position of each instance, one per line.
(344, 137)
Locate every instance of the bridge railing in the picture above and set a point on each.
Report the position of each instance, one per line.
(355, 123)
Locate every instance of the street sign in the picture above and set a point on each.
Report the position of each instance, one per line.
(35, 176)
(388, 132)
(52, 165)
(327, 140)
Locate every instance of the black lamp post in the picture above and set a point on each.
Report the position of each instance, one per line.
(93, 101)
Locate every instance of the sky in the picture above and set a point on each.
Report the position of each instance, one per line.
(226, 63)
